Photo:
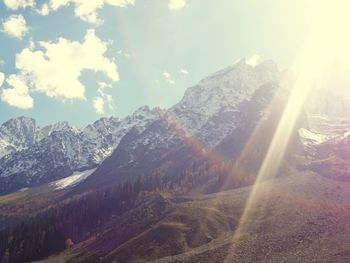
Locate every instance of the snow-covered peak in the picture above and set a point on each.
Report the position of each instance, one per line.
(225, 89)
(22, 124)
(57, 150)
(103, 136)
(244, 72)
(230, 73)
(142, 110)
(102, 126)
(145, 112)
(49, 129)
(16, 134)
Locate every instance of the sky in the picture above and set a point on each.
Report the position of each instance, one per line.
(78, 60)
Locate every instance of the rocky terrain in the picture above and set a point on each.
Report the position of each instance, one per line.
(31, 155)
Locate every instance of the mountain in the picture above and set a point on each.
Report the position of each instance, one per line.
(327, 144)
(17, 134)
(145, 187)
(219, 95)
(208, 113)
(32, 155)
(224, 107)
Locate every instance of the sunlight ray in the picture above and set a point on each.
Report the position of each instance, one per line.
(309, 67)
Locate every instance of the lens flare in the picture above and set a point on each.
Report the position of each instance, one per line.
(327, 42)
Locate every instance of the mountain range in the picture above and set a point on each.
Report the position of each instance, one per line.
(170, 185)
(209, 112)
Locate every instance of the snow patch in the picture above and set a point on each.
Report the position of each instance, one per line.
(313, 137)
(72, 180)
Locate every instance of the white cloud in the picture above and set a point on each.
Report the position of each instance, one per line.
(176, 4)
(44, 10)
(15, 26)
(17, 94)
(2, 78)
(102, 99)
(166, 75)
(123, 53)
(17, 4)
(168, 78)
(184, 72)
(253, 60)
(55, 70)
(31, 44)
(109, 99)
(99, 104)
(102, 85)
(84, 9)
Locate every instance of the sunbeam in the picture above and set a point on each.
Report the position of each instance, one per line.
(321, 49)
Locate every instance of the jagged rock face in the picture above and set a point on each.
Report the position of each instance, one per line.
(222, 109)
(222, 92)
(17, 134)
(38, 155)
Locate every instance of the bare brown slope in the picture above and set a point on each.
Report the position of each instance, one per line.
(302, 218)
(299, 218)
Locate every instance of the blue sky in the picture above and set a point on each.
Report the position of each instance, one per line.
(156, 49)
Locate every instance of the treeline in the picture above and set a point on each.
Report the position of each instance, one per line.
(46, 233)
(200, 175)
(79, 217)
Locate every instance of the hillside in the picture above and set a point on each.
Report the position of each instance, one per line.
(294, 220)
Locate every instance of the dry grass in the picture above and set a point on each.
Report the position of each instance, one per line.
(299, 218)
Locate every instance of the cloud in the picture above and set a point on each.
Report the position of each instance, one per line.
(31, 44)
(86, 10)
(2, 78)
(168, 78)
(98, 104)
(176, 4)
(15, 26)
(123, 53)
(253, 60)
(44, 10)
(17, 94)
(166, 75)
(103, 85)
(17, 4)
(184, 72)
(102, 99)
(55, 70)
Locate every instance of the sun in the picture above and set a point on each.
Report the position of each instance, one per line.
(327, 44)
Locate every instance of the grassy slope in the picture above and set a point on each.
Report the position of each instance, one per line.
(28, 201)
(16, 206)
(300, 218)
